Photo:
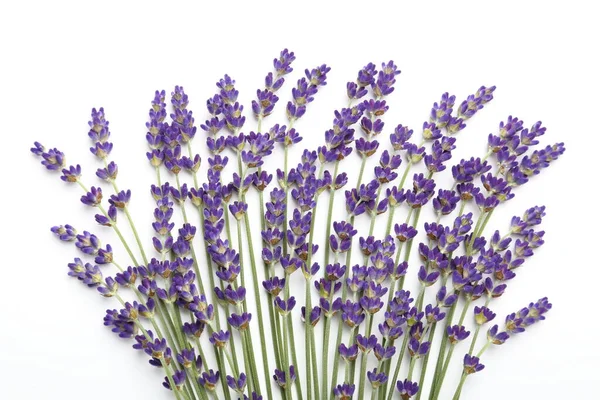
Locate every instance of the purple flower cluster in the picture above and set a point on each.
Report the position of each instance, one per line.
(381, 325)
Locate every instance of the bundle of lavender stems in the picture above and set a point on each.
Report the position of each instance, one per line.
(185, 300)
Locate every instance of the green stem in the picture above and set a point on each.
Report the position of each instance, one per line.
(449, 356)
(463, 204)
(250, 349)
(475, 230)
(425, 362)
(285, 210)
(363, 361)
(460, 386)
(135, 234)
(261, 328)
(315, 371)
(411, 368)
(362, 171)
(307, 341)
(440, 379)
(292, 344)
(341, 324)
(192, 249)
(247, 366)
(374, 215)
(398, 365)
(129, 219)
(330, 214)
(267, 270)
(210, 273)
(326, 333)
(286, 370)
(442, 351)
(474, 340)
(419, 303)
(388, 228)
(443, 375)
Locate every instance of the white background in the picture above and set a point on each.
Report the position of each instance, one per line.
(59, 60)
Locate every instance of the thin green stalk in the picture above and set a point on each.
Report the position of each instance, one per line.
(411, 367)
(120, 235)
(307, 339)
(201, 391)
(444, 370)
(363, 361)
(460, 386)
(425, 362)
(129, 219)
(442, 351)
(192, 249)
(276, 335)
(362, 171)
(251, 377)
(286, 190)
(292, 344)
(251, 367)
(388, 228)
(420, 298)
(210, 273)
(341, 324)
(286, 371)
(135, 234)
(209, 263)
(263, 341)
(483, 349)
(398, 365)
(463, 204)
(232, 364)
(374, 215)
(345, 287)
(168, 324)
(250, 349)
(448, 357)
(474, 340)
(475, 230)
(158, 175)
(463, 314)
(309, 331)
(325, 362)
(400, 283)
(330, 213)
(315, 370)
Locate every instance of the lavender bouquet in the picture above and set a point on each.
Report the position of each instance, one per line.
(187, 302)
